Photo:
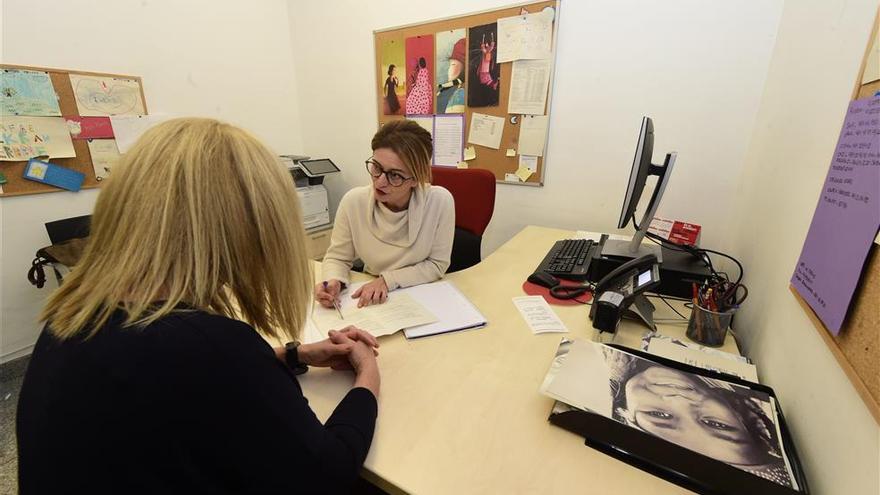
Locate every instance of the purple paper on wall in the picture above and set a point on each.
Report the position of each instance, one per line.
(846, 218)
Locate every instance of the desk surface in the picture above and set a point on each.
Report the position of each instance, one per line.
(461, 412)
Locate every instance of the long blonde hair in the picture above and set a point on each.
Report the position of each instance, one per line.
(198, 212)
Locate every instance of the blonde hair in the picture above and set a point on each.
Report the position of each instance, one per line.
(198, 212)
(411, 143)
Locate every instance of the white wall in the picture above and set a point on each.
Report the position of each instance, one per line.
(814, 67)
(696, 67)
(219, 58)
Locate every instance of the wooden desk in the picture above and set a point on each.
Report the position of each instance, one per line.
(461, 412)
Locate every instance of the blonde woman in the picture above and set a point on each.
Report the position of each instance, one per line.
(400, 225)
(151, 376)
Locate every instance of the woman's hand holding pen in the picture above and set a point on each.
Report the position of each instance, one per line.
(327, 292)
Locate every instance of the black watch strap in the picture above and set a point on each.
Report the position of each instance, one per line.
(291, 356)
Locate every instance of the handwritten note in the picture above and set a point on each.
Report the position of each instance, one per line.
(846, 218)
(527, 36)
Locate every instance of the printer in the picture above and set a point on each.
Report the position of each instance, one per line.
(308, 175)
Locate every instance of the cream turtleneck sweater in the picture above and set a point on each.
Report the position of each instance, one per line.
(406, 248)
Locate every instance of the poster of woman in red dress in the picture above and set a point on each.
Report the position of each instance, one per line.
(420, 75)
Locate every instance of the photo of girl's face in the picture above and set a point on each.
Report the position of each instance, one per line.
(675, 407)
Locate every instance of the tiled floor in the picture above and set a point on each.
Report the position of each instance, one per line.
(11, 375)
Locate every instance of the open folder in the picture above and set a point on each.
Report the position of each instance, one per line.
(444, 300)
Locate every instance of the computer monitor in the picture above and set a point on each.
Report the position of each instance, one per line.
(642, 168)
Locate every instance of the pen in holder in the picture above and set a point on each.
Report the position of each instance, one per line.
(708, 327)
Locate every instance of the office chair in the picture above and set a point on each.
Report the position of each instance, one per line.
(68, 228)
(61, 251)
(474, 194)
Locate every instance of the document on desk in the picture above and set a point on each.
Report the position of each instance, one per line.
(400, 311)
(454, 310)
(538, 314)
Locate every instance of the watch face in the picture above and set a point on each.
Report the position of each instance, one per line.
(291, 355)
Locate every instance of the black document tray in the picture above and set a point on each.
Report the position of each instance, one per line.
(677, 464)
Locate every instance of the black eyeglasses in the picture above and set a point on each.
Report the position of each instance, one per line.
(376, 170)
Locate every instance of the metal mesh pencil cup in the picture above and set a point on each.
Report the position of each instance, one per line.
(709, 327)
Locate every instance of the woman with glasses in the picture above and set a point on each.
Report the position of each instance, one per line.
(400, 225)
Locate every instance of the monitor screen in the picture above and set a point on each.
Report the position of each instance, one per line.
(641, 167)
(644, 278)
(321, 166)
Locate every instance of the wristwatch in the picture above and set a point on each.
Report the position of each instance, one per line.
(291, 356)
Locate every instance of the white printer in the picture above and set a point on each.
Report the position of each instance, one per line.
(308, 175)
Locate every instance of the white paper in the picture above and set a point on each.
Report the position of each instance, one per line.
(710, 359)
(129, 128)
(443, 299)
(529, 162)
(104, 155)
(529, 82)
(22, 138)
(426, 122)
(538, 314)
(508, 177)
(527, 36)
(98, 96)
(448, 139)
(398, 312)
(486, 130)
(532, 134)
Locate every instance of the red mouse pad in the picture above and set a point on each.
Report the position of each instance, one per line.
(537, 290)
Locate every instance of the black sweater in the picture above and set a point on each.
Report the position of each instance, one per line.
(193, 403)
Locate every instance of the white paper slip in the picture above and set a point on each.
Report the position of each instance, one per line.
(532, 135)
(454, 310)
(398, 312)
(129, 128)
(528, 36)
(702, 357)
(538, 314)
(486, 130)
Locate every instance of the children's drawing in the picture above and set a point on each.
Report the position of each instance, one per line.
(104, 154)
(27, 92)
(103, 96)
(451, 48)
(22, 138)
(420, 75)
(393, 85)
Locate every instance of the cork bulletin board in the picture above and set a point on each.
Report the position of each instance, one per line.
(498, 161)
(857, 346)
(16, 184)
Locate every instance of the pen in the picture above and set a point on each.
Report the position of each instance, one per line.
(335, 304)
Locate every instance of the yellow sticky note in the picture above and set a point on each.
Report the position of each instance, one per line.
(462, 165)
(523, 173)
(510, 152)
(470, 153)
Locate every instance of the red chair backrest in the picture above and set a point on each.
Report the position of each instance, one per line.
(474, 193)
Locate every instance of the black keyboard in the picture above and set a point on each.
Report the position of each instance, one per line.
(569, 259)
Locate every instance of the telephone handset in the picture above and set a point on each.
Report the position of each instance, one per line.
(620, 288)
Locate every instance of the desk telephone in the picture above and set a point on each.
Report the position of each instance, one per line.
(621, 288)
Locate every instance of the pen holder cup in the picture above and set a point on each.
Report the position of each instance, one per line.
(707, 327)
